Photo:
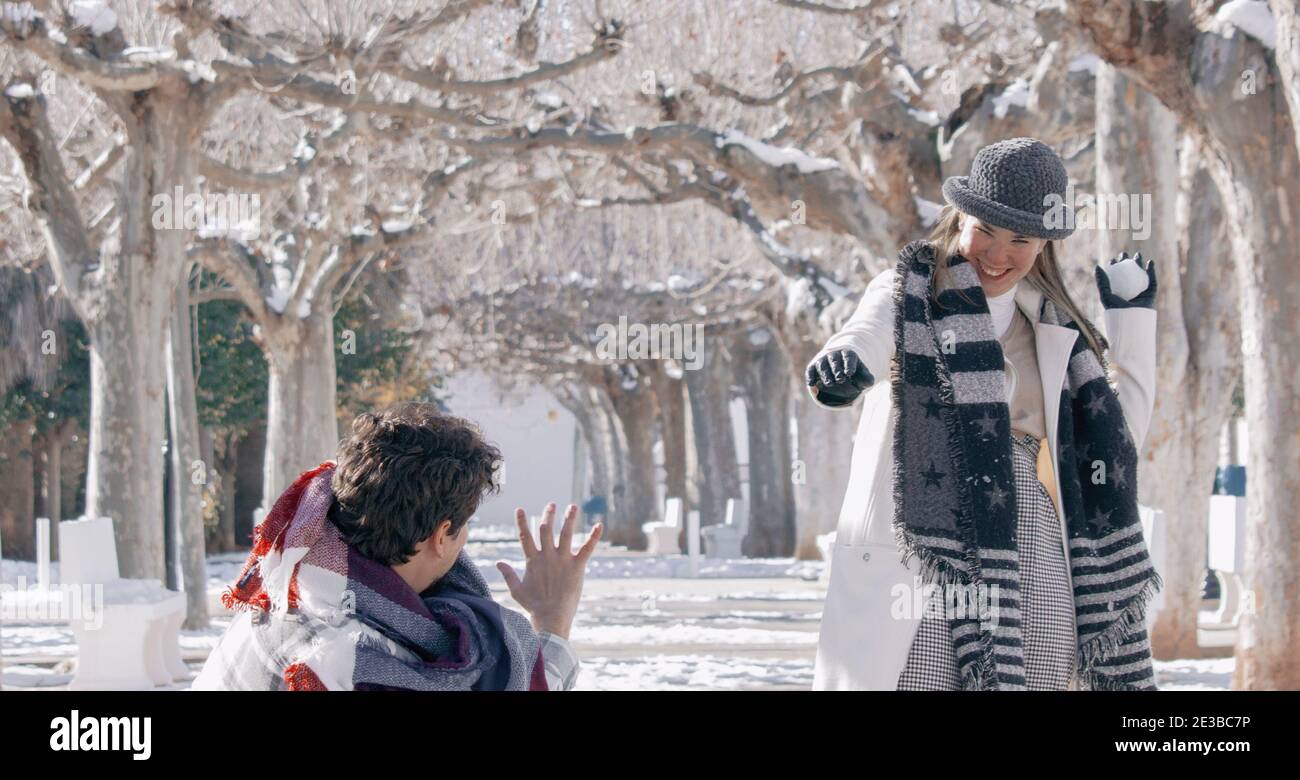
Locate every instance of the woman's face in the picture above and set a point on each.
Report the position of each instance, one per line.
(1001, 257)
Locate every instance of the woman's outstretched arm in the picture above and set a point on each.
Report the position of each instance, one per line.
(869, 333)
(1131, 331)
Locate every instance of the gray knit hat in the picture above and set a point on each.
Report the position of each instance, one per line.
(1008, 187)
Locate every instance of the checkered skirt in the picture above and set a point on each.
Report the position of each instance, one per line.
(1046, 601)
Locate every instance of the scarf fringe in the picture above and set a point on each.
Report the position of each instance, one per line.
(234, 603)
(1100, 648)
(979, 677)
(934, 569)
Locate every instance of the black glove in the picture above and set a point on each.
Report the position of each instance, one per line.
(1145, 299)
(838, 377)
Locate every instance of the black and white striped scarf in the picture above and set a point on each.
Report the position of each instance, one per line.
(954, 487)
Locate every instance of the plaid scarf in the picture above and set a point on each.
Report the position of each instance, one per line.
(317, 615)
(954, 488)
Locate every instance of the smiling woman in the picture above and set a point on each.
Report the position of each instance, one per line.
(1001, 258)
(959, 468)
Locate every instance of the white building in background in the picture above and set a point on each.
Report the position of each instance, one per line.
(536, 436)
(544, 455)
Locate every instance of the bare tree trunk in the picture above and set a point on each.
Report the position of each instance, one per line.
(718, 473)
(578, 402)
(128, 335)
(609, 440)
(670, 399)
(128, 381)
(1266, 232)
(189, 470)
(226, 458)
(1212, 318)
(606, 445)
(1287, 55)
(73, 463)
(825, 444)
(248, 483)
(606, 452)
(692, 497)
(765, 374)
(1225, 92)
(634, 407)
(17, 491)
(123, 296)
(127, 385)
(53, 478)
(301, 426)
(1137, 154)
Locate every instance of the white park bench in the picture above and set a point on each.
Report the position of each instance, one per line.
(131, 639)
(1227, 553)
(724, 541)
(661, 538)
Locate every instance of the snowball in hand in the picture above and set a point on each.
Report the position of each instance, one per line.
(1127, 277)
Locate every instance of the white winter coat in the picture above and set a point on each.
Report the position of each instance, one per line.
(864, 640)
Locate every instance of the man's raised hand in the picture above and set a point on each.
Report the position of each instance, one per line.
(553, 573)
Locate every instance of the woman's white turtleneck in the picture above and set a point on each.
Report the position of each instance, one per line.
(1003, 308)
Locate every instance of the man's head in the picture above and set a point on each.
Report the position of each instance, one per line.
(406, 483)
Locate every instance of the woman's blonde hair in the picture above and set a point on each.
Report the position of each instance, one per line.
(1046, 275)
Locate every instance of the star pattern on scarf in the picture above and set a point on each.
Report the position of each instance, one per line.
(1120, 472)
(1101, 519)
(1128, 435)
(933, 476)
(988, 426)
(1085, 453)
(1097, 405)
(997, 496)
(932, 407)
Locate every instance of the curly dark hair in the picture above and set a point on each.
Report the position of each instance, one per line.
(402, 472)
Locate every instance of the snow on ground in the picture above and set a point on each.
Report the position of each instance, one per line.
(693, 673)
(687, 633)
(643, 624)
(488, 547)
(1197, 674)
